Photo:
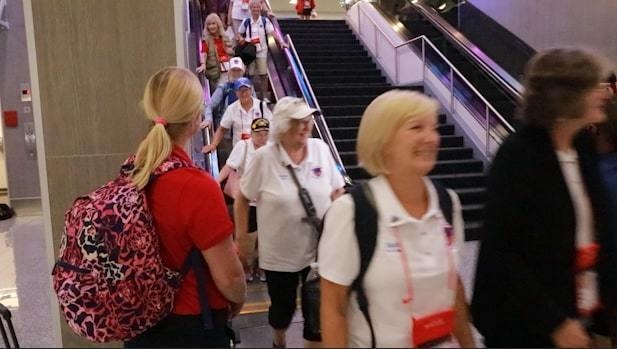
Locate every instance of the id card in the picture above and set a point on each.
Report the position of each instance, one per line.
(432, 327)
(224, 66)
(257, 42)
(245, 136)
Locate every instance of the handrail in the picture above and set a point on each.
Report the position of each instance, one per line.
(453, 70)
(322, 127)
(505, 80)
(464, 79)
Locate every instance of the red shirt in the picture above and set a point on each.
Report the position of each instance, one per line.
(220, 48)
(189, 210)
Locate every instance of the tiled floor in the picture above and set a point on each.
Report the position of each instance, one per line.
(25, 288)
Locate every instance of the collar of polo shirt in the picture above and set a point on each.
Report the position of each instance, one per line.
(396, 214)
(285, 160)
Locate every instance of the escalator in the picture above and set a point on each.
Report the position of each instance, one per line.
(420, 20)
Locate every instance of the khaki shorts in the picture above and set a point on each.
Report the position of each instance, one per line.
(259, 66)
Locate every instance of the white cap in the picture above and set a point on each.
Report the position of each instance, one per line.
(236, 63)
(293, 108)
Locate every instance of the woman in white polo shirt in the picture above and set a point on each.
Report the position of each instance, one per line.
(287, 243)
(412, 277)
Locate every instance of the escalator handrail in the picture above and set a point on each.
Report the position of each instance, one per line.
(464, 79)
(483, 61)
(309, 97)
(450, 65)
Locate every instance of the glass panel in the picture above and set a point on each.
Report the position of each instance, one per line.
(437, 65)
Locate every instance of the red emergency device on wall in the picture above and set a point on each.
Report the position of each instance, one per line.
(10, 118)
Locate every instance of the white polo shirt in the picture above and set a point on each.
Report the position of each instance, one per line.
(286, 243)
(239, 120)
(425, 243)
(258, 30)
(239, 9)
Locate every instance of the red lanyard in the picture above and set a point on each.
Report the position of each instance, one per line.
(452, 276)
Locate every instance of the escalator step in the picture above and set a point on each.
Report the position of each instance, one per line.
(346, 78)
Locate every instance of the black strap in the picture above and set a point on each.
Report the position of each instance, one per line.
(445, 201)
(195, 260)
(307, 203)
(366, 233)
(261, 108)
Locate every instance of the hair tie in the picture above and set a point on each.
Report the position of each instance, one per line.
(160, 120)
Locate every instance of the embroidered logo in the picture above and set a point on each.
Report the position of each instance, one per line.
(316, 172)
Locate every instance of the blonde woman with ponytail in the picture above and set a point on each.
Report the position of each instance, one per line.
(188, 211)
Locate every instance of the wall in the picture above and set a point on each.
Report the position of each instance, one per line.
(91, 60)
(22, 168)
(549, 23)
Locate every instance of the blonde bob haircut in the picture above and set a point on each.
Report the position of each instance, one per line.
(213, 18)
(175, 95)
(382, 117)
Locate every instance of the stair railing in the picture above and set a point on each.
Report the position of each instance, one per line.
(309, 96)
(485, 63)
(459, 88)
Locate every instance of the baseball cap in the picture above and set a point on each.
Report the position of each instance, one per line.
(260, 124)
(236, 63)
(242, 82)
(294, 108)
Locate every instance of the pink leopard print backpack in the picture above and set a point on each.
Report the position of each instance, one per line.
(109, 278)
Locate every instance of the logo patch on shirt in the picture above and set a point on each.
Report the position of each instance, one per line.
(316, 172)
(393, 247)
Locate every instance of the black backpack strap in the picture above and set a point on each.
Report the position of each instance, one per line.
(365, 220)
(195, 261)
(445, 201)
(261, 108)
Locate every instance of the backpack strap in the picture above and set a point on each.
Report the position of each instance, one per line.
(263, 20)
(261, 107)
(365, 220)
(445, 201)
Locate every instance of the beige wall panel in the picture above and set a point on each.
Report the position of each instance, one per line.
(93, 60)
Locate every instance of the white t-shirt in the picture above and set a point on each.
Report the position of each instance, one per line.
(239, 9)
(425, 243)
(587, 284)
(239, 120)
(258, 30)
(241, 155)
(286, 243)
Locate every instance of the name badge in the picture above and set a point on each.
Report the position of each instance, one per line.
(431, 328)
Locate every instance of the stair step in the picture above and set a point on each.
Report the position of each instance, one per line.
(458, 166)
(473, 212)
(471, 195)
(465, 180)
(342, 100)
(344, 72)
(354, 121)
(343, 53)
(457, 153)
(341, 110)
(318, 40)
(350, 59)
(351, 132)
(349, 144)
(336, 90)
(346, 79)
(335, 66)
(326, 46)
(473, 231)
